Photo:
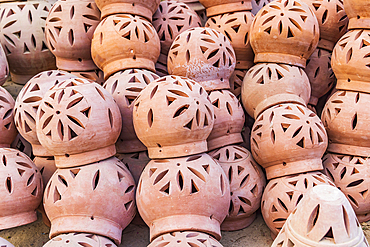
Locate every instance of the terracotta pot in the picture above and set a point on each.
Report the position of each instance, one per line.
(78, 122)
(247, 182)
(284, 32)
(161, 65)
(95, 75)
(28, 101)
(125, 42)
(258, 4)
(69, 29)
(73, 199)
(198, 8)
(236, 26)
(183, 194)
(269, 84)
(204, 55)
(5, 243)
(21, 189)
(288, 139)
(8, 131)
(236, 81)
(320, 74)
(324, 217)
(4, 67)
(185, 239)
(82, 239)
(22, 36)
(282, 195)
(22, 145)
(229, 120)
(218, 7)
(169, 107)
(125, 86)
(358, 14)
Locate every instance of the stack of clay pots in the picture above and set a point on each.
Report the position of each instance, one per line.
(345, 114)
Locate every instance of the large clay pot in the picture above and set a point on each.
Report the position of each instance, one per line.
(218, 7)
(358, 14)
(79, 239)
(125, 86)
(8, 131)
(259, 4)
(173, 106)
(69, 29)
(5, 243)
(22, 37)
(4, 67)
(185, 239)
(284, 32)
(183, 194)
(204, 55)
(236, 81)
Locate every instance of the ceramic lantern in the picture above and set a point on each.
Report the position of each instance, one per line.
(284, 31)
(173, 106)
(125, 41)
(282, 195)
(78, 122)
(324, 217)
(218, 7)
(185, 239)
(20, 190)
(79, 239)
(69, 29)
(269, 84)
(247, 182)
(95, 75)
(5, 243)
(4, 67)
(358, 14)
(8, 131)
(135, 162)
(259, 4)
(183, 194)
(22, 37)
(125, 86)
(204, 55)
(236, 81)
(229, 119)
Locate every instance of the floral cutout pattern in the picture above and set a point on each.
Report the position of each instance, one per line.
(8, 131)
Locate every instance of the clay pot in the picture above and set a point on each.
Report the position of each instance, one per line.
(229, 120)
(69, 29)
(235, 26)
(282, 195)
(358, 14)
(135, 162)
(161, 65)
(5, 243)
(284, 32)
(247, 182)
(125, 42)
(4, 67)
(82, 239)
(288, 139)
(351, 174)
(320, 74)
(21, 189)
(324, 217)
(236, 81)
(28, 101)
(258, 4)
(185, 239)
(22, 145)
(198, 8)
(22, 36)
(78, 122)
(183, 194)
(125, 86)
(218, 7)
(173, 106)
(269, 84)
(73, 199)
(95, 75)
(8, 132)
(204, 55)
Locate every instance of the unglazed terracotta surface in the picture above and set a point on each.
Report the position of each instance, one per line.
(125, 41)
(247, 183)
(78, 122)
(125, 86)
(236, 81)
(8, 131)
(5, 243)
(173, 106)
(269, 84)
(185, 239)
(258, 4)
(73, 199)
(95, 75)
(217, 7)
(183, 194)
(79, 239)
(22, 145)
(358, 14)
(4, 67)
(284, 31)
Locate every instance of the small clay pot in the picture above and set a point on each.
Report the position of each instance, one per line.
(284, 32)
(258, 4)
(22, 145)
(218, 7)
(95, 75)
(5, 243)
(82, 239)
(185, 239)
(358, 14)
(236, 81)
(125, 86)
(4, 67)
(173, 106)
(8, 131)
(161, 65)
(204, 55)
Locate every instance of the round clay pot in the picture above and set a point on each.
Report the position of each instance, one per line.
(125, 41)
(235, 26)
(22, 145)
(73, 199)
(95, 75)
(8, 131)
(78, 122)
(125, 86)
(258, 4)
(247, 182)
(4, 67)
(229, 119)
(5, 243)
(204, 55)
(282, 195)
(236, 81)
(288, 139)
(324, 217)
(161, 65)
(173, 106)
(269, 84)
(183, 194)
(22, 36)
(218, 7)
(358, 14)
(21, 189)
(284, 31)
(320, 74)
(69, 29)
(28, 101)
(185, 239)
(135, 162)
(79, 239)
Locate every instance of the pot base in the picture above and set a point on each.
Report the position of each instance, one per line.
(235, 224)
(177, 150)
(15, 220)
